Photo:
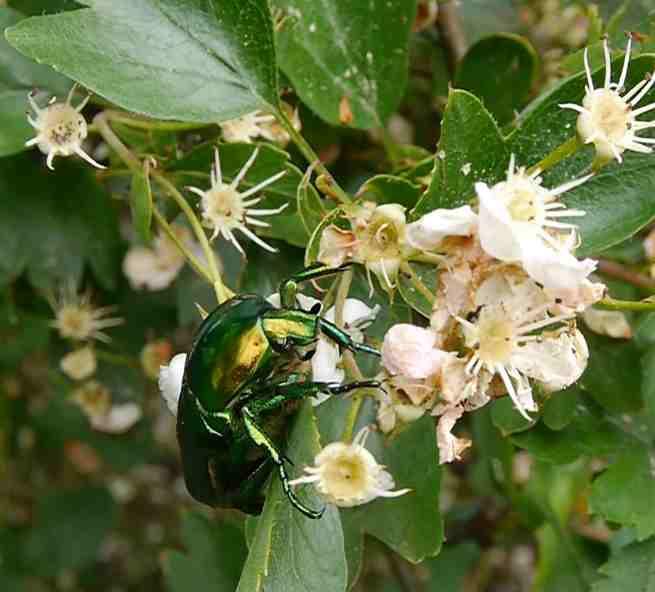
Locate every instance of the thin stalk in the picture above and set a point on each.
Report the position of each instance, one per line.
(634, 305)
(416, 282)
(155, 125)
(568, 148)
(623, 273)
(101, 122)
(311, 156)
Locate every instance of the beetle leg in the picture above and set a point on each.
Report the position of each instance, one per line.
(339, 336)
(260, 438)
(289, 287)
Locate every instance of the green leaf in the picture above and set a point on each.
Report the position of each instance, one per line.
(630, 568)
(346, 51)
(310, 206)
(507, 419)
(141, 204)
(586, 435)
(648, 386)
(449, 570)
(386, 189)
(471, 149)
(559, 409)
(54, 223)
(495, 64)
(613, 374)
(174, 59)
(215, 555)
(624, 493)
(81, 517)
(18, 77)
(292, 553)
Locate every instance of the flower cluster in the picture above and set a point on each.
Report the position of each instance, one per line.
(504, 316)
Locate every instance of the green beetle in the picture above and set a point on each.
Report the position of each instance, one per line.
(238, 391)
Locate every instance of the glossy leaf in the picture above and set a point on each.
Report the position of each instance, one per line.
(292, 553)
(492, 66)
(347, 60)
(471, 149)
(507, 419)
(385, 189)
(172, 59)
(54, 223)
(559, 409)
(630, 568)
(624, 493)
(215, 554)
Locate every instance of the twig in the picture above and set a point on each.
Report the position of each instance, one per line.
(620, 272)
(451, 34)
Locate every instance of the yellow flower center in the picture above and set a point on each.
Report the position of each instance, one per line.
(63, 126)
(75, 322)
(495, 336)
(223, 206)
(609, 113)
(522, 199)
(345, 477)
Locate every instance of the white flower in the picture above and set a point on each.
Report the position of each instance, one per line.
(75, 317)
(562, 275)
(225, 209)
(95, 401)
(608, 117)
(155, 268)
(348, 475)
(246, 128)
(119, 419)
(503, 342)
(410, 351)
(428, 231)
(79, 364)
(336, 246)
(404, 400)
(61, 129)
(607, 322)
(170, 381)
(517, 210)
(381, 244)
(327, 358)
(450, 447)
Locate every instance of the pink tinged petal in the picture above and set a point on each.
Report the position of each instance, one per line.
(428, 232)
(497, 235)
(450, 447)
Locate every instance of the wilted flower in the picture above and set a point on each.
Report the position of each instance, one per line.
(75, 317)
(155, 268)
(154, 355)
(225, 209)
(403, 400)
(170, 381)
(61, 129)
(336, 246)
(608, 117)
(79, 364)
(245, 128)
(348, 475)
(450, 447)
(411, 351)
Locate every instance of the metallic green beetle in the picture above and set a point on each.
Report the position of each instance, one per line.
(238, 391)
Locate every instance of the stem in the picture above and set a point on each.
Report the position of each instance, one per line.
(417, 283)
(148, 124)
(635, 305)
(451, 34)
(311, 156)
(568, 148)
(193, 261)
(620, 272)
(101, 122)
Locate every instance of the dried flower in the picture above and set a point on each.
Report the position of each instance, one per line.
(61, 129)
(348, 475)
(612, 323)
(410, 351)
(225, 209)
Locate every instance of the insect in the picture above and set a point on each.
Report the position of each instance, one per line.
(238, 392)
